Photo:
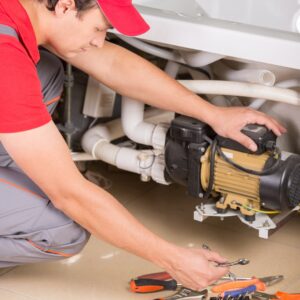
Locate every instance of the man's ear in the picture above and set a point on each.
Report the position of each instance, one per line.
(64, 6)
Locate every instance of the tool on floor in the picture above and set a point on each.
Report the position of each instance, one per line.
(148, 285)
(239, 292)
(167, 276)
(159, 276)
(227, 264)
(277, 296)
(241, 261)
(260, 283)
(187, 294)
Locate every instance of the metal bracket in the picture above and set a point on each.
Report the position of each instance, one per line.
(263, 223)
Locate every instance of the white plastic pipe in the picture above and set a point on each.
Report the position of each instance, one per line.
(96, 142)
(137, 129)
(264, 77)
(242, 89)
(200, 58)
(290, 83)
(133, 122)
(287, 84)
(127, 159)
(147, 163)
(172, 68)
(151, 49)
(193, 59)
(257, 103)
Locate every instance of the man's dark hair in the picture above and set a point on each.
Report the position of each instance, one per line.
(81, 5)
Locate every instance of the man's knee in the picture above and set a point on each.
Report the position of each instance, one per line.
(42, 246)
(66, 240)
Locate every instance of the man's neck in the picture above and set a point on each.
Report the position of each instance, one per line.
(34, 9)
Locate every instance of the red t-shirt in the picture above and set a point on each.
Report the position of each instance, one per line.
(21, 99)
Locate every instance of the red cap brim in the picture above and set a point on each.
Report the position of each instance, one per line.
(126, 19)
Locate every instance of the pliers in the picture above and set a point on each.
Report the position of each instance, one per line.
(187, 294)
(276, 296)
(260, 284)
(243, 287)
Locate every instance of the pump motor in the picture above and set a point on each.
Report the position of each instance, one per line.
(211, 166)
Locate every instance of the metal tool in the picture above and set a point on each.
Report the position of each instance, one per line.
(187, 294)
(241, 261)
(230, 274)
(260, 283)
(167, 276)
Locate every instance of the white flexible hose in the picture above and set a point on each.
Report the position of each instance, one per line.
(242, 89)
(260, 76)
(154, 50)
(194, 59)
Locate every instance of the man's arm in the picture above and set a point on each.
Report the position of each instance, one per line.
(45, 158)
(132, 76)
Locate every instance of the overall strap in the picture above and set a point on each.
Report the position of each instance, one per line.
(7, 30)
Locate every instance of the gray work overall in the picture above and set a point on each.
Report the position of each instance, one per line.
(31, 228)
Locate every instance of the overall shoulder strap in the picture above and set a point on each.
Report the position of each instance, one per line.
(7, 30)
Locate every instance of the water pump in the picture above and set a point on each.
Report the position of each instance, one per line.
(213, 167)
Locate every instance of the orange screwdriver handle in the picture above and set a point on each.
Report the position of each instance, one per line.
(238, 284)
(287, 296)
(144, 289)
(152, 285)
(159, 276)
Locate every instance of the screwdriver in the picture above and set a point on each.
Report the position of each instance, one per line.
(148, 285)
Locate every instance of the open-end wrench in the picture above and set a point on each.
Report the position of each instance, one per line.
(241, 261)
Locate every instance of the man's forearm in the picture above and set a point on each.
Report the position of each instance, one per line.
(132, 76)
(102, 215)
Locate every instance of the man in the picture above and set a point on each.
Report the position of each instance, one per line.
(41, 191)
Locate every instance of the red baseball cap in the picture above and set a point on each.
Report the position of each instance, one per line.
(123, 16)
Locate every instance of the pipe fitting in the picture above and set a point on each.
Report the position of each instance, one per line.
(159, 136)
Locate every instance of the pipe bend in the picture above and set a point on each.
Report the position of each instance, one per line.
(200, 59)
(133, 122)
(92, 136)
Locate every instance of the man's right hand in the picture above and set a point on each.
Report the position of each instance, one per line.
(195, 268)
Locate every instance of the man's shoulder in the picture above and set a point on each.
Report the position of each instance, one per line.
(14, 60)
(11, 47)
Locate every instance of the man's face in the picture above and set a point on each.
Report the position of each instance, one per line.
(75, 34)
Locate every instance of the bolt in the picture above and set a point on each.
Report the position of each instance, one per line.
(145, 178)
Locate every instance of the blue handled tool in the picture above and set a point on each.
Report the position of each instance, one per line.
(235, 293)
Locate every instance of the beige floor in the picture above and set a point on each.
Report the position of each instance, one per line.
(102, 271)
